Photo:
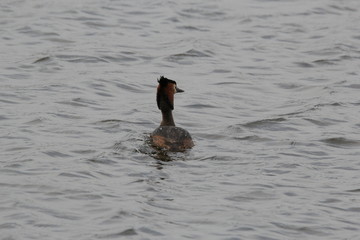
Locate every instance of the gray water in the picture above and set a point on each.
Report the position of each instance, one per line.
(271, 100)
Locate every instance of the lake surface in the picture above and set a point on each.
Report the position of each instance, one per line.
(271, 100)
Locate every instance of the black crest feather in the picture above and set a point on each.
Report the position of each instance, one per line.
(163, 81)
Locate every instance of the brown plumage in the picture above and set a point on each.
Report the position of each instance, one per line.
(167, 136)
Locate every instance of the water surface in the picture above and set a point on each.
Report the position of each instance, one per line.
(271, 100)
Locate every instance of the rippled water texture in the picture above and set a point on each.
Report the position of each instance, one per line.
(271, 100)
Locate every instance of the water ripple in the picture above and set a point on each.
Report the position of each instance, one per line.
(341, 142)
(192, 53)
(271, 100)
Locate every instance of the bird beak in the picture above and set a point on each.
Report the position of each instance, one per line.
(178, 90)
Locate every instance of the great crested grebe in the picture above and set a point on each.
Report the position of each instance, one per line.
(167, 136)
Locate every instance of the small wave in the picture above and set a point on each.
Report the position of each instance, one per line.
(204, 12)
(98, 24)
(35, 121)
(354, 190)
(300, 229)
(8, 101)
(127, 233)
(78, 102)
(304, 64)
(120, 58)
(80, 58)
(130, 87)
(341, 142)
(288, 86)
(227, 83)
(192, 28)
(192, 53)
(59, 40)
(323, 11)
(43, 59)
(10, 225)
(321, 123)
(355, 86)
(273, 124)
(101, 160)
(251, 196)
(253, 138)
(3, 118)
(221, 71)
(343, 8)
(264, 123)
(113, 121)
(198, 106)
(67, 116)
(313, 108)
(56, 154)
(71, 103)
(325, 62)
(79, 174)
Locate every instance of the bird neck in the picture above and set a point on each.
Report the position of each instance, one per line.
(167, 118)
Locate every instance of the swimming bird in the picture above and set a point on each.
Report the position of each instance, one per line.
(167, 136)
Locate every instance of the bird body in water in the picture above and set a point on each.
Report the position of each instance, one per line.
(167, 136)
